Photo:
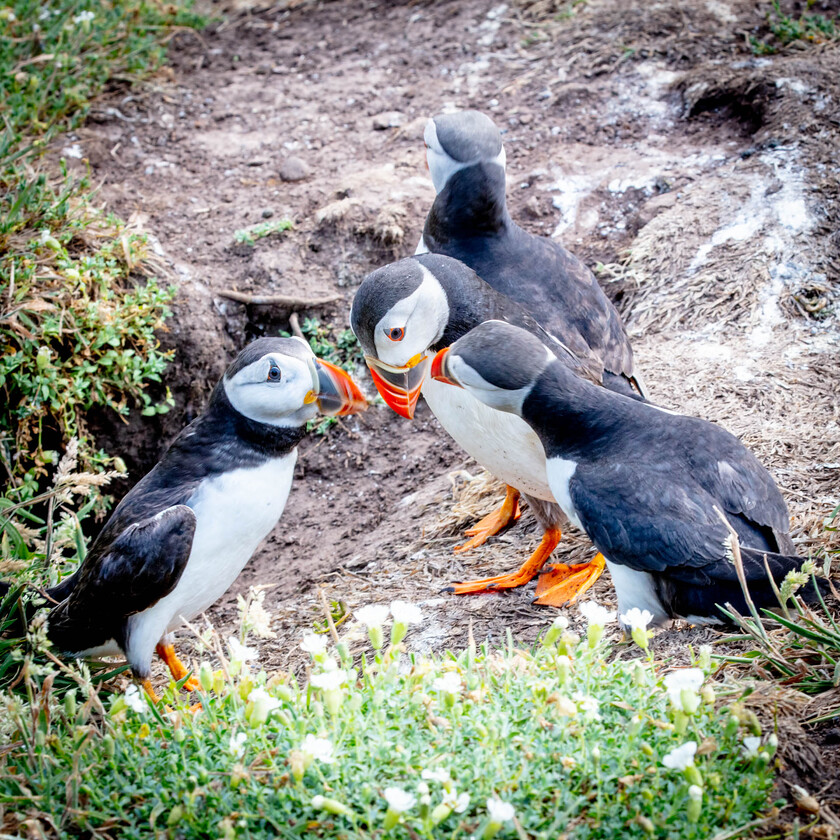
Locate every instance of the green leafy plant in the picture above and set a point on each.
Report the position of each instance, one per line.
(786, 30)
(800, 644)
(249, 235)
(558, 739)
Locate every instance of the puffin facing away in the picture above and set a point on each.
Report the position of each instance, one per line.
(469, 220)
(641, 482)
(402, 314)
(181, 536)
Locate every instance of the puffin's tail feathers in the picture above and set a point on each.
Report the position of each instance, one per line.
(705, 590)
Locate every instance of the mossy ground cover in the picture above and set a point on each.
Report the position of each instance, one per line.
(559, 740)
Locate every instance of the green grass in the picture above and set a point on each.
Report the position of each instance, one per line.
(82, 295)
(786, 30)
(80, 302)
(573, 741)
(250, 235)
(799, 643)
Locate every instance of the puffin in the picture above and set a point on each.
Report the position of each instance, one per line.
(469, 221)
(402, 314)
(650, 488)
(182, 535)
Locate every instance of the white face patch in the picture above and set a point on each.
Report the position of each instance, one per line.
(484, 391)
(422, 316)
(441, 166)
(258, 397)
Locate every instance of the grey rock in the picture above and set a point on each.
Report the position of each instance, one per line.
(294, 169)
(387, 119)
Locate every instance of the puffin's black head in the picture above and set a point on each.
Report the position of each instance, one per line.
(279, 382)
(496, 363)
(455, 141)
(398, 312)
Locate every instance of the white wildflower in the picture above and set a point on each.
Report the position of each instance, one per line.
(596, 614)
(457, 802)
(751, 745)
(398, 799)
(449, 683)
(236, 745)
(318, 748)
(314, 643)
(329, 680)
(260, 705)
(588, 705)
(239, 652)
(134, 699)
(373, 615)
(84, 17)
(695, 792)
(637, 619)
(406, 612)
(499, 810)
(681, 757)
(682, 687)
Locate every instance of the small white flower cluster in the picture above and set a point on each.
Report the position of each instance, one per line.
(374, 617)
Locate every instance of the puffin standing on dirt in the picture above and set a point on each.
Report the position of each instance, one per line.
(648, 487)
(402, 314)
(469, 221)
(182, 535)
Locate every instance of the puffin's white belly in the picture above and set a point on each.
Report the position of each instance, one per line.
(234, 513)
(504, 444)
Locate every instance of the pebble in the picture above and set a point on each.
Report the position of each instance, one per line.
(294, 169)
(387, 119)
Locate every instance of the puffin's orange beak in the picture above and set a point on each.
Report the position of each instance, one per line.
(399, 386)
(438, 370)
(338, 394)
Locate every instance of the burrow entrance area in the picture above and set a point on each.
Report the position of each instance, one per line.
(701, 180)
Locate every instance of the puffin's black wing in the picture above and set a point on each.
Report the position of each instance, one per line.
(142, 565)
(644, 519)
(744, 489)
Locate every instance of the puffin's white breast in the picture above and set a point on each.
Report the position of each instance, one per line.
(234, 512)
(504, 444)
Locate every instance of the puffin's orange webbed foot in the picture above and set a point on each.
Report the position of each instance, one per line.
(525, 573)
(176, 667)
(561, 584)
(494, 522)
(150, 692)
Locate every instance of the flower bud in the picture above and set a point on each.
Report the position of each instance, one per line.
(109, 744)
(707, 693)
(332, 806)
(70, 704)
(175, 815)
(690, 701)
(640, 637)
(695, 803)
(440, 813)
(205, 676)
(376, 636)
(732, 725)
(693, 775)
(554, 632)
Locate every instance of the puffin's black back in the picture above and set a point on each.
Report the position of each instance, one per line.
(470, 222)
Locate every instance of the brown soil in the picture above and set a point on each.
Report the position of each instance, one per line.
(651, 141)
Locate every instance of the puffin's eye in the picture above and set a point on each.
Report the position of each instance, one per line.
(274, 374)
(395, 333)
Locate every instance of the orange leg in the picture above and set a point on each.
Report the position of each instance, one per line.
(494, 522)
(527, 571)
(176, 667)
(561, 584)
(152, 694)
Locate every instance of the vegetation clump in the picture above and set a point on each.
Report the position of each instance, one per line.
(554, 740)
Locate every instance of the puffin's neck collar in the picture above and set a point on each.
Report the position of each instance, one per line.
(263, 437)
(471, 204)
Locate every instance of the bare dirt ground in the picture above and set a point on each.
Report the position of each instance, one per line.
(703, 182)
